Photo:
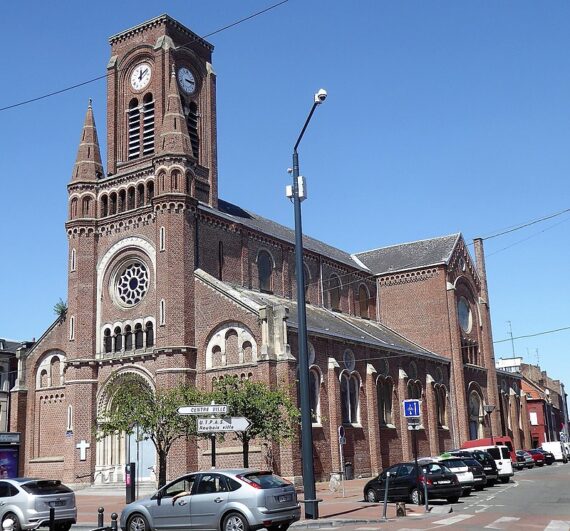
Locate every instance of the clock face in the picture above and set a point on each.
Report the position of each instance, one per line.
(141, 76)
(464, 315)
(186, 80)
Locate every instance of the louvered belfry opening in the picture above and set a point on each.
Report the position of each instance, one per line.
(148, 124)
(192, 123)
(134, 129)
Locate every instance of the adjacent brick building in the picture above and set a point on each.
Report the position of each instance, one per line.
(170, 283)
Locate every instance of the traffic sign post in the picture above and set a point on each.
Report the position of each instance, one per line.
(341, 443)
(412, 412)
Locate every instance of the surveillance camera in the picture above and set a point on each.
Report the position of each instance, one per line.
(320, 96)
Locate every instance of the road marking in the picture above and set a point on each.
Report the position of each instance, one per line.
(558, 525)
(500, 523)
(454, 519)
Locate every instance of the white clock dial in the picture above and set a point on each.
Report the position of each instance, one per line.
(141, 76)
(186, 80)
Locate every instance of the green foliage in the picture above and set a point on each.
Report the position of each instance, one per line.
(60, 308)
(272, 414)
(133, 403)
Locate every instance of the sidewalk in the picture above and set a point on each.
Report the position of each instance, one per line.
(334, 509)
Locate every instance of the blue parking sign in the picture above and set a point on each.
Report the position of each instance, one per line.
(411, 408)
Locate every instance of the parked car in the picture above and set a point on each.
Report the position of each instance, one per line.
(461, 470)
(558, 449)
(217, 499)
(524, 460)
(502, 458)
(403, 485)
(27, 502)
(479, 476)
(537, 456)
(486, 461)
(548, 456)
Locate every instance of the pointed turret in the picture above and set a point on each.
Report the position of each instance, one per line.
(88, 166)
(174, 138)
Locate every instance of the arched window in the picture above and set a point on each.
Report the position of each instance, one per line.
(122, 201)
(264, 270)
(334, 293)
(128, 338)
(175, 181)
(73, 208)
(118, 340)
(349, 391)
(192, 123)
(315, 394)
(149, 192)
(112, 204)
(441, 405)
(363, 297)
(104, 206)
(475, 416)
(384, 391)
(131, 198)
(107, 341)
(134, 127)
(148, 124)
(139, 342)
(85, 206)
(140, 195)
(414, 390)
(149, 335)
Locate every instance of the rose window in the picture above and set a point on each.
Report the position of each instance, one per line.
(132, 283)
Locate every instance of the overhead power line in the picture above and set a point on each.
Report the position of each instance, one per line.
(527, 224)
(83, 83)
(534, 335)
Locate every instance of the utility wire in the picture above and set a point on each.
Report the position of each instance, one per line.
(77, 85)
(534, 335)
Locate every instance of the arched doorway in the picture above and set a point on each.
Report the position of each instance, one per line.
(475, 416)
(115, 451)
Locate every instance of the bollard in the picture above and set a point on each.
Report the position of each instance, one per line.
(384, 517)
(100, 516)
(8, 525)
(426, 492)
(401, 509)
(52, 519)
(114, 517)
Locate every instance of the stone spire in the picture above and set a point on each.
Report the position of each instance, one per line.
(174, 138)
(88, 166)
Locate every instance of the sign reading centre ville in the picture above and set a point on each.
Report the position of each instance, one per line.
(210, 409)
(223, 424)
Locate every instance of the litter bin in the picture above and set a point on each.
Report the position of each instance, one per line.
(348, 470)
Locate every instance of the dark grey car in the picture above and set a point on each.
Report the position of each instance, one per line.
(227, 500)
(27, 502)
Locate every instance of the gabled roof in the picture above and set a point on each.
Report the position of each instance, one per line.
(253, 221)
(324, 322)
(9, 346)
(412, 255)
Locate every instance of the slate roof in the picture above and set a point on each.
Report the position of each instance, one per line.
(324, 322)
(253, 221)
(412, 255)
(8, 346)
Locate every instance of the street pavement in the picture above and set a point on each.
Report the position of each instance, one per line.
(537, 499)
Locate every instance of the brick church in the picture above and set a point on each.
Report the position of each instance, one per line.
(168, 282)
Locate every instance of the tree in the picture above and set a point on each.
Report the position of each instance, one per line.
(60, 308)
(134, 404)
(272, 414)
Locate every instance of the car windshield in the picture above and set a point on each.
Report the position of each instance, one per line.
(48, 486)
(265, 480)
(471, 462)
(454, 463)
(436, 468)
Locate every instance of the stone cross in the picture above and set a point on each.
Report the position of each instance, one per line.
(82, 446)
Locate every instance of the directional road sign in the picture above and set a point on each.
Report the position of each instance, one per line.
(209, 409)
(223, 424)
(411, 408)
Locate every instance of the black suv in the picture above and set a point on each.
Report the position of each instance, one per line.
(486, 461)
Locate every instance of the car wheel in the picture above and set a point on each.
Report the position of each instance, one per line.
(466, 492)
(453, 499)
(371, 496)
(11, 516)
(235, 522)
(416, 497)
(137, 522)
(504, 480)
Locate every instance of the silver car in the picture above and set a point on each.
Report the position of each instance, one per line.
(227, 500)
(27, 502)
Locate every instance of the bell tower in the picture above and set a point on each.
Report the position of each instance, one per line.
(140, 70)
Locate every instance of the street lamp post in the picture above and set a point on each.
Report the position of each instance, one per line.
(489, 408)
(298, 193)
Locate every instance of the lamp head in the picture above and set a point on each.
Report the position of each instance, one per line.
(320, 96)
(489, 408)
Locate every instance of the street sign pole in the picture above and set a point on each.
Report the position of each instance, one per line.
(341, 443)
(213, 440)
(415, 444)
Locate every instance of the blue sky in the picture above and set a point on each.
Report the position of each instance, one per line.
(442, 116)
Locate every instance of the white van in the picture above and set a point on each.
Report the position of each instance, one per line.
(557, 449)
(502, 458)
